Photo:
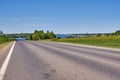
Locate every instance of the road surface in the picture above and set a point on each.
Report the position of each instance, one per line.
(32, 60)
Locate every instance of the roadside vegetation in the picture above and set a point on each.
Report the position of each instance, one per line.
(41, 35)
(4, 38)
(106, 41)
(37, 35)
(111, 40)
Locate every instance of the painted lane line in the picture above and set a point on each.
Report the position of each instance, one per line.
(5, 64)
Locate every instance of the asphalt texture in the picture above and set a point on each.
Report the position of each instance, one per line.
(32, 60)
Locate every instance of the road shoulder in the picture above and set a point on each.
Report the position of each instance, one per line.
(89, 46)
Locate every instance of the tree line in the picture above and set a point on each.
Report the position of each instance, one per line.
(40, 34)
(5, 38)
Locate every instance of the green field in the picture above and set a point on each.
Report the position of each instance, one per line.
(105, 41)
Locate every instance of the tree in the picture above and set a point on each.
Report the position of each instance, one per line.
(30, 37)
(37, 35)
(41, 34)
(52, 35)
(99, 35)
(117, 32)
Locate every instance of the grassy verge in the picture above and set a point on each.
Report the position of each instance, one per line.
(3, 44)
(103, 41)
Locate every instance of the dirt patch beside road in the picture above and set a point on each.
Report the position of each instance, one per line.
(4, 46)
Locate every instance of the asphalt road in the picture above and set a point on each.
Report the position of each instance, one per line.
(32, 60)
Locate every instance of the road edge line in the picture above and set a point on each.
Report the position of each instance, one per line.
(6, 62)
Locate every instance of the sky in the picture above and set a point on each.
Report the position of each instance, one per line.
(60, 16)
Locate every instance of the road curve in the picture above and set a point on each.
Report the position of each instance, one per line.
(33, 60)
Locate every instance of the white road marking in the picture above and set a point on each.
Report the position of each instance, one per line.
(5, 64)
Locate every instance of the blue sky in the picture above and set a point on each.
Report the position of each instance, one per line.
(60, 16)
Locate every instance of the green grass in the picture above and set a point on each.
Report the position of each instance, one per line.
(104, 41)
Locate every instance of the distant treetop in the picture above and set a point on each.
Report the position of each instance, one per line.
(117, 32)
(40, 34)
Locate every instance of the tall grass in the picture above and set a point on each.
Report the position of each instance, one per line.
(4, 39)
(106, 41)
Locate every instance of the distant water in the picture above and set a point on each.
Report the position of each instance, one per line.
(62, 35)
(20, 39)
